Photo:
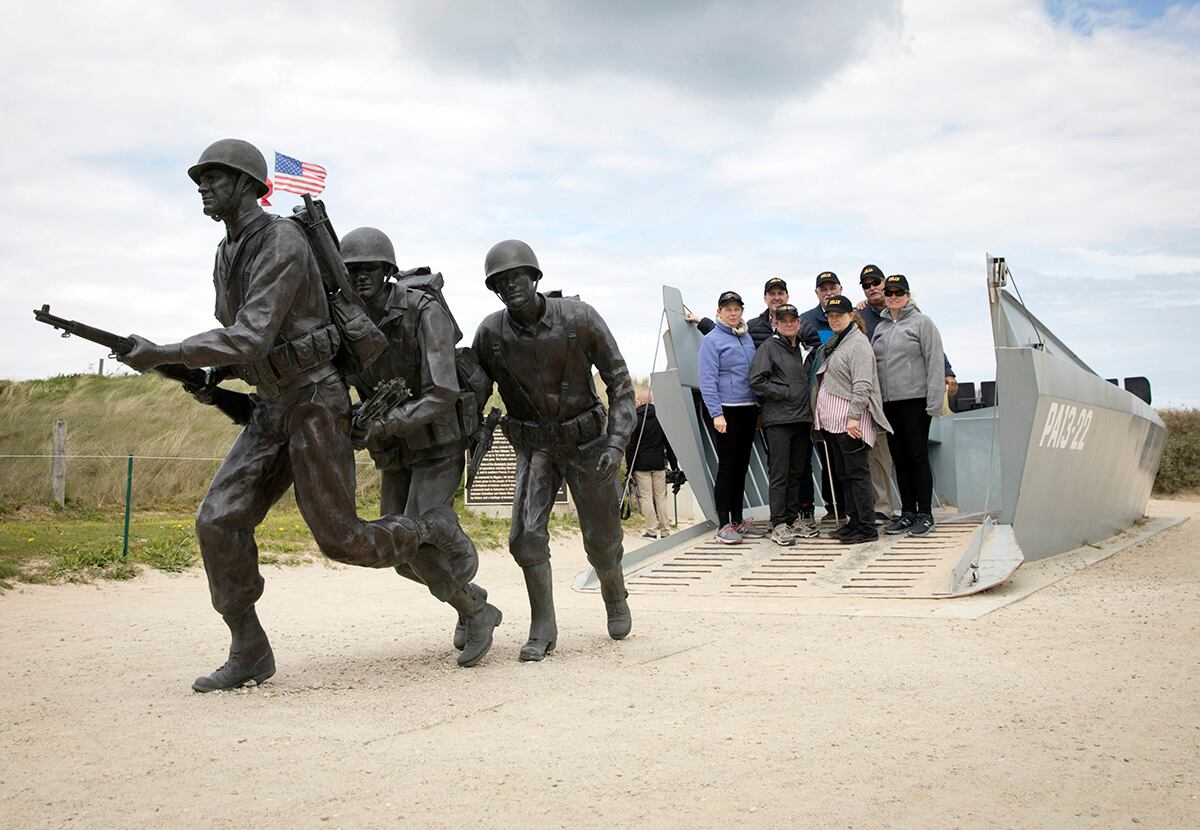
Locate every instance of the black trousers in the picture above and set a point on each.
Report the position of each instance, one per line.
(733, 460)
(301, 438)
(790, 446)
(909, 443)
(850, 461)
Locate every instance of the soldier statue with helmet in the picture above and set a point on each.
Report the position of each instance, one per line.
(419, 445)
(540, 350)
(277, 334)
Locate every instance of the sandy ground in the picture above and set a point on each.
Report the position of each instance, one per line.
(1076, 707)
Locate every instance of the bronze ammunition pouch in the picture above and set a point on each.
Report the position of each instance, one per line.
(306, 359)
(573, 432)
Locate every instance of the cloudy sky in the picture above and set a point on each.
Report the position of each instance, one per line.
(706, 145)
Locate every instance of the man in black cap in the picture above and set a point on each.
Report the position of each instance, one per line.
(775, 294)
(814, 326)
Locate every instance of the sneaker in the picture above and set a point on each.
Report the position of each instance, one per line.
(844, 530)
(805, 528)
(806, 516)
(901, 525)
(922, 525)
(782, 535)
(858, 535)
(662, 534)
(749, 531)
(650, 534)
(728, 535)
(881, 518)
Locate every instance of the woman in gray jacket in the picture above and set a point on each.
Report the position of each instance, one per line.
(908, 354)
(848, 410)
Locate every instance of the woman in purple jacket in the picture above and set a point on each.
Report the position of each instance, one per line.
(725, 355)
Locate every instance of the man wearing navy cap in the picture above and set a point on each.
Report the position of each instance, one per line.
(815, 327)
(775, 294)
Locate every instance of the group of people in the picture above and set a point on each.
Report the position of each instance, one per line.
(287, 331)
(860, 383)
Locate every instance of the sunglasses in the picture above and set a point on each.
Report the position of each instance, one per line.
(871, 283)
(894, 293)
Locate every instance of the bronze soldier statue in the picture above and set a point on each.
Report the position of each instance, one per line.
(541, 350)
(276, 334)
(419, 447)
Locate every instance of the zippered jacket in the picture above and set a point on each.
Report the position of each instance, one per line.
(725, 369)
(909, 359)
(779, 376)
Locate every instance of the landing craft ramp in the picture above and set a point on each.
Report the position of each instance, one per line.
(902, 567)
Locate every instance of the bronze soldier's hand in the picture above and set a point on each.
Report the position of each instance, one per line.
(144, 355)
(360, 434)
(609, 463)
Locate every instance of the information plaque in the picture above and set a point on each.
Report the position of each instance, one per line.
(496, 480)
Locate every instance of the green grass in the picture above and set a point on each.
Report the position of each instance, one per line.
(74, 545)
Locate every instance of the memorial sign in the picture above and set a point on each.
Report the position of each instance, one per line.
(496, 481)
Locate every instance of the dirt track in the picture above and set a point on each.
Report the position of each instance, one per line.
(1078, 706)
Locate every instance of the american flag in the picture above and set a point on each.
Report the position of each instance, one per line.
(295, 176)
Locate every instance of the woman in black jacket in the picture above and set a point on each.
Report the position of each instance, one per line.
(779, 376)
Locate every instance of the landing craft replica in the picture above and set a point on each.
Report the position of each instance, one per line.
(1051, 458)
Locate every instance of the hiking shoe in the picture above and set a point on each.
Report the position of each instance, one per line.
(922, 525)
(749, 531)
(728, 535)
(806, 516)
(858, 535)
(650, 534)
(901, 525)
(782, 535)
(881, 518)
(805, 528)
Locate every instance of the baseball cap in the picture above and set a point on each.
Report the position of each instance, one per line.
(838, 303)
(728, 297)
(870, 272)
(775, 282)
(896, 281)
(827, 276)
(786, 308)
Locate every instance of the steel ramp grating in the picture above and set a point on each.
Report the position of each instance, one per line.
(894, 566)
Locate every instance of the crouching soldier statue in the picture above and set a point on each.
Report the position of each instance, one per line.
(541, 350)
(276, 334)
(419, 446)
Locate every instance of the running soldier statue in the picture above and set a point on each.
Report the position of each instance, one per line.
(541, 350)
(419, 447)
(276, 334)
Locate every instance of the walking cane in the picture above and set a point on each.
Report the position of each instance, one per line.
(837, 517)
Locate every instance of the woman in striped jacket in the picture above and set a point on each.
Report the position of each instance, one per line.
(847, 408)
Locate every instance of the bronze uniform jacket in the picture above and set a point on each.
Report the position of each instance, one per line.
(532, 365)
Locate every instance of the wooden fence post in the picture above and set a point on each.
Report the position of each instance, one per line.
(58, 462)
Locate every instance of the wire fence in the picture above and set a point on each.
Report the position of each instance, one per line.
(108, 480)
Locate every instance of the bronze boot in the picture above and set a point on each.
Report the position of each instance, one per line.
(250, 656)
(612, 588)
(543, 627)
(479, 623)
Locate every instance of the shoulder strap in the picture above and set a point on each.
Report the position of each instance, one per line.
(569, 352)
(235, 281)
(500, 366)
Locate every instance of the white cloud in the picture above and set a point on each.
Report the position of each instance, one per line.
(632, 144)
